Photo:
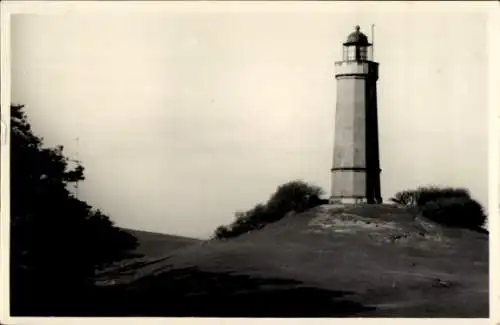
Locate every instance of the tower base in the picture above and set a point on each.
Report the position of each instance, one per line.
(352, 200)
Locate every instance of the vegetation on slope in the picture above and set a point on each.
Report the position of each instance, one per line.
(453, 207)
(57, 240)
(296, 196)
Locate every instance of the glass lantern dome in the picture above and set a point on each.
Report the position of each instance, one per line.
(357, 47)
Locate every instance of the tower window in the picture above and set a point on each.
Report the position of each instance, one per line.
(362, 53)
(356, 53)
(350, 53)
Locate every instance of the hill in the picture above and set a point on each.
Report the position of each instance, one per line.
(153, 244)
(361, 261)
(153, 247)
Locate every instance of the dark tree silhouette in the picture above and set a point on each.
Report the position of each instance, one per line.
(57, 241)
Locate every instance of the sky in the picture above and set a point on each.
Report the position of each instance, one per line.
(185, 117)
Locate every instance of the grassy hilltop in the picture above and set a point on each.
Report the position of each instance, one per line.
(362, 261)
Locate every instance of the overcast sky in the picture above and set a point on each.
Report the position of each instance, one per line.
(185, 117)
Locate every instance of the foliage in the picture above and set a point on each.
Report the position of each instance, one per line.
(57, 241)
(433, 193)
(455, 212)
(406, 198)
(446, 205)
(222, 232)
(294, 196)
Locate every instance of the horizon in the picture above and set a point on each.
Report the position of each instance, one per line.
(165, 105)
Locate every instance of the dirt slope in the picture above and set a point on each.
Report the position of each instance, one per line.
(152, 244)
(330, 261)
(153, 248)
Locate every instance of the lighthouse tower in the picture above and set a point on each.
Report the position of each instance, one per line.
(356, 168)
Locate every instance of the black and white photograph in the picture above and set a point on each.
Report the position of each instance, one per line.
(247, 160)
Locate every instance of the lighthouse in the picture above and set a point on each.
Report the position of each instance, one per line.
(355, 173)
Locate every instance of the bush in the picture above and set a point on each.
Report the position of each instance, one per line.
(293, 196)
(433, 193)
(222, 232)
(449, 206)
(405, 198)
(459, 212)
